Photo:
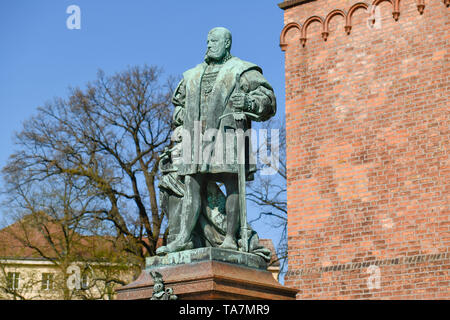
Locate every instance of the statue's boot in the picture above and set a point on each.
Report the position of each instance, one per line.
(174, 246)
(229, 243)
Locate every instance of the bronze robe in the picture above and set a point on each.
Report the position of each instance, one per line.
(211, 154)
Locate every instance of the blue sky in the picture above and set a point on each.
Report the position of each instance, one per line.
(40, 57)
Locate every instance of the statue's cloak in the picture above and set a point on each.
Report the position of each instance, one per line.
(213, 153)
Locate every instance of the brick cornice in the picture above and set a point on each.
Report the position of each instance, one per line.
(292, 3)
(416, 259)
(303, 28)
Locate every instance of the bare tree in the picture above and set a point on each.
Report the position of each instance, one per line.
(51, 224)
(268, 192)
(106, 139)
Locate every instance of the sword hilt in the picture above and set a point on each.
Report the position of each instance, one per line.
(238, 115)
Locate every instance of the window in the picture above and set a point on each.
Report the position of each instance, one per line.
(13, 280)
(47, 281)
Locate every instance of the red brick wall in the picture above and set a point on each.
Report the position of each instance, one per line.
(367, 119)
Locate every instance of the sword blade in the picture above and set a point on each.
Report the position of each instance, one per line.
(243, 207)
(241, 186)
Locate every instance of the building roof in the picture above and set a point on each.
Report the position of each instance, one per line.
(27, 239)
(18, 239)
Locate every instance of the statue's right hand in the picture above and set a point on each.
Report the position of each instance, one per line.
(238, 101)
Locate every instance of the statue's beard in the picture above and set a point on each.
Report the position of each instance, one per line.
(210, 58)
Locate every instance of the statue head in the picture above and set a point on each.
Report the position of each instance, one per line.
(219, 44)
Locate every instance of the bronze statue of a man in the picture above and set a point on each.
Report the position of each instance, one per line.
(220, 85)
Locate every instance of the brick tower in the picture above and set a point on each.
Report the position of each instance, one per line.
(367, 121)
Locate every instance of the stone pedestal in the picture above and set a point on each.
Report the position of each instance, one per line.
(209, 274)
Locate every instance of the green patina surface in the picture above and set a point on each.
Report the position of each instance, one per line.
(222, 94)
(206, 254)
